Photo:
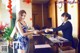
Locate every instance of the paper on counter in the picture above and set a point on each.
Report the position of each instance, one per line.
(54, 39)
(61, 38)
(58, 39)
(36, 35)
(42, 46)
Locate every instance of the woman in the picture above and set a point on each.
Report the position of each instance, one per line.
(22, 33)
(66, 28)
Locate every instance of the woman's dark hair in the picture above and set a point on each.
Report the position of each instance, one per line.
(21, 12)
(67, 15)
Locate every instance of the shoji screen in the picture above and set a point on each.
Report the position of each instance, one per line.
(73, 10)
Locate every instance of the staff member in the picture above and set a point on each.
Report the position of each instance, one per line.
(66, 28)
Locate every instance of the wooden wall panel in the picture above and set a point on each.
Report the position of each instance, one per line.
(79, 19)
(52, 12)
(37, 15)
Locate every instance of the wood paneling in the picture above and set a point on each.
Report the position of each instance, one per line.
(79, 19)
(37, 15)
(65, 6)
(52, 12)
(47, 21)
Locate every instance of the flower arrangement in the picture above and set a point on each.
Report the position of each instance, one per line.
(2, 26)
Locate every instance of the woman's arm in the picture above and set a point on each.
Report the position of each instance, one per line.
(61, 27)
(18, 25)
(13, 33)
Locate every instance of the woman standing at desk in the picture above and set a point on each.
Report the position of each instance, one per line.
(22, 33)
(66, 28)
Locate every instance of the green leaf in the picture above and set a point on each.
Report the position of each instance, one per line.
(7, 33)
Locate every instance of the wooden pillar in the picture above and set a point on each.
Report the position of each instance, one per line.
(52, 12)
(65, 6)
(78, 20)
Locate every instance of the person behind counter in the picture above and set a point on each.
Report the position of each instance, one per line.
(66, 28)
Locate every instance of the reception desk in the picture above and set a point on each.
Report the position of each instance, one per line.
(48, 44)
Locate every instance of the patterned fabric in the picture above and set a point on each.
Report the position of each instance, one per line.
(23, 41)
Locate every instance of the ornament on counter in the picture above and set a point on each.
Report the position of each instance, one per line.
(10, 8)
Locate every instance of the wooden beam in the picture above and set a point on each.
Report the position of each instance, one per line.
(78, 19)
(65, 5)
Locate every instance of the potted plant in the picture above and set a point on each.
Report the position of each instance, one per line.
(7, 33)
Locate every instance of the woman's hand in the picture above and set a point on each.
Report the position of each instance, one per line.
(47, 30)
(35, 31)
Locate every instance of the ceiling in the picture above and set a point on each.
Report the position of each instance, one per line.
(39, 1)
